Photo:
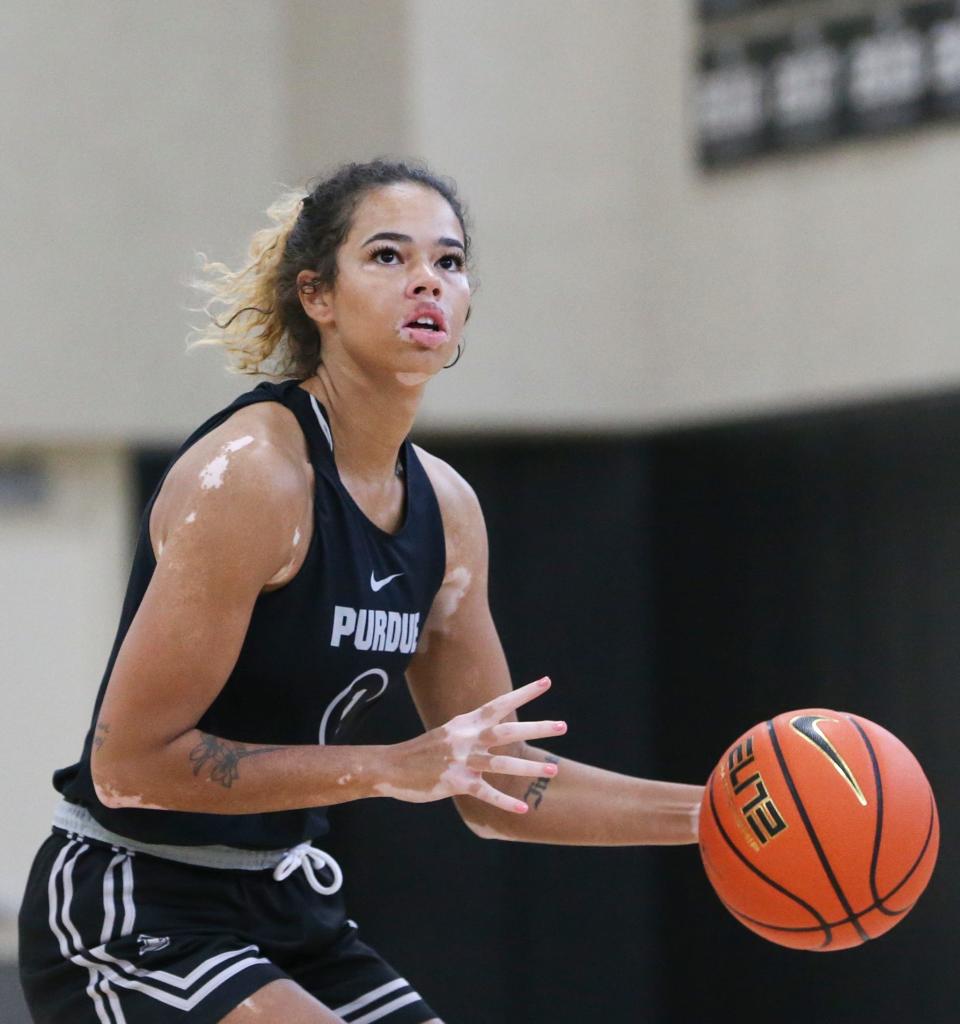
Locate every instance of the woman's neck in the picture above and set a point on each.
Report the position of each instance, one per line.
(369, 421)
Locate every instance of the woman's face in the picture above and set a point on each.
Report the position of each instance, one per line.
(402, 261)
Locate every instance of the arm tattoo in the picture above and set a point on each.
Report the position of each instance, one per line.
(100, 734)
(538, 788)
(226, 758)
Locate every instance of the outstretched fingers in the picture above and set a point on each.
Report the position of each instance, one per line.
(502, 765)
(485, 729)
(520, 732)
(494, 710)
(482, 790)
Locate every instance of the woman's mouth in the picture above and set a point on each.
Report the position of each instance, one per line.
(427, 330)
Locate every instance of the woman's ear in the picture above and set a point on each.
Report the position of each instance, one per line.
(314, 298)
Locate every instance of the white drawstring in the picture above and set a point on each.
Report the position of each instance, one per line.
(306, 856)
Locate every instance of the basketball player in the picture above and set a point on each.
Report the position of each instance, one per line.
(299, 556)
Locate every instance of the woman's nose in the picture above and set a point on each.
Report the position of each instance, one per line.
(424, 281)
(424, 289)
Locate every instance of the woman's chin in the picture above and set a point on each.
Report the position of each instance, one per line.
(413, 378)
(421, 363)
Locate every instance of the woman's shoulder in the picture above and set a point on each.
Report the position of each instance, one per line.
(453, 491)
(257, 455)
(264, 438)
(463, 526)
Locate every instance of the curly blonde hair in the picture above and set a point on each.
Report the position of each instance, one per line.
(261, 323)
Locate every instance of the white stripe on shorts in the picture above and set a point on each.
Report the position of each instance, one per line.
(382, 1011)
(109, 909)
(375, 995)
(105, 968)
(93, 991)
(371, 997)
(53, 900)
(179, 1002)
(129, 913)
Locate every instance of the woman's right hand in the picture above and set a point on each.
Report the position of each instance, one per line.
(450, 760)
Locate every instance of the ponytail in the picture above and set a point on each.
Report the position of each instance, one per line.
(244, 308)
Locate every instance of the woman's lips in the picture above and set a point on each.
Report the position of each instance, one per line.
(424, 336)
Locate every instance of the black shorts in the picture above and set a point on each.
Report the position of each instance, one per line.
(108, 936)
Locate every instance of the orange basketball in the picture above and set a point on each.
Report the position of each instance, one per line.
(818, 830)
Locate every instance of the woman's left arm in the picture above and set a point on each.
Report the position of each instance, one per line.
(460, 665)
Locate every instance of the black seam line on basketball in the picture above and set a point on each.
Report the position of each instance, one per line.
(923, 850)
(832, 924)
(876, 856)
(878, 831)
(810, 927)
(877, 905)
(824, 925)
(811, 832)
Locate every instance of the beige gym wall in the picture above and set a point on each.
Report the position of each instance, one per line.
(619, 285)
(623, 287)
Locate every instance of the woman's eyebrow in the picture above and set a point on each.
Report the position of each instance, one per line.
(393, 236)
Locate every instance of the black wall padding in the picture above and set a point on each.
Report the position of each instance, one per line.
(811, 561)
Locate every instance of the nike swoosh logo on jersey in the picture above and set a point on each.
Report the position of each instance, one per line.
(376, 584)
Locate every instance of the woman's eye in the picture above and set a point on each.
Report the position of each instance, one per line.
(452, 261)
(386, 256)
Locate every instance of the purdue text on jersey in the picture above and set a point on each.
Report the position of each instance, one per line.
(373, 629)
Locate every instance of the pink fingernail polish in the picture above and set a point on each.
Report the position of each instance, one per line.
(560, 726)
(545, 682)
(522, 808)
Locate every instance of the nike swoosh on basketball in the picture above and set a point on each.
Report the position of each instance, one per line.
(806, 726)
(376, 584)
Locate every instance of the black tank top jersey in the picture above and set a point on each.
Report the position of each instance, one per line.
(318, 652)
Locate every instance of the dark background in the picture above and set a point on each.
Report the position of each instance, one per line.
(679, 588)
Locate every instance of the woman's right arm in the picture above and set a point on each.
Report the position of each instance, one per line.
(229, 522)
(228, 533)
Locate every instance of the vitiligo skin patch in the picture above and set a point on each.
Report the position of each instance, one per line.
(213, 472)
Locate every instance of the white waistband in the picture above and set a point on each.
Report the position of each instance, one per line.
(78, 820)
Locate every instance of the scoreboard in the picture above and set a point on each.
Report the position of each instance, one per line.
(787, 75)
